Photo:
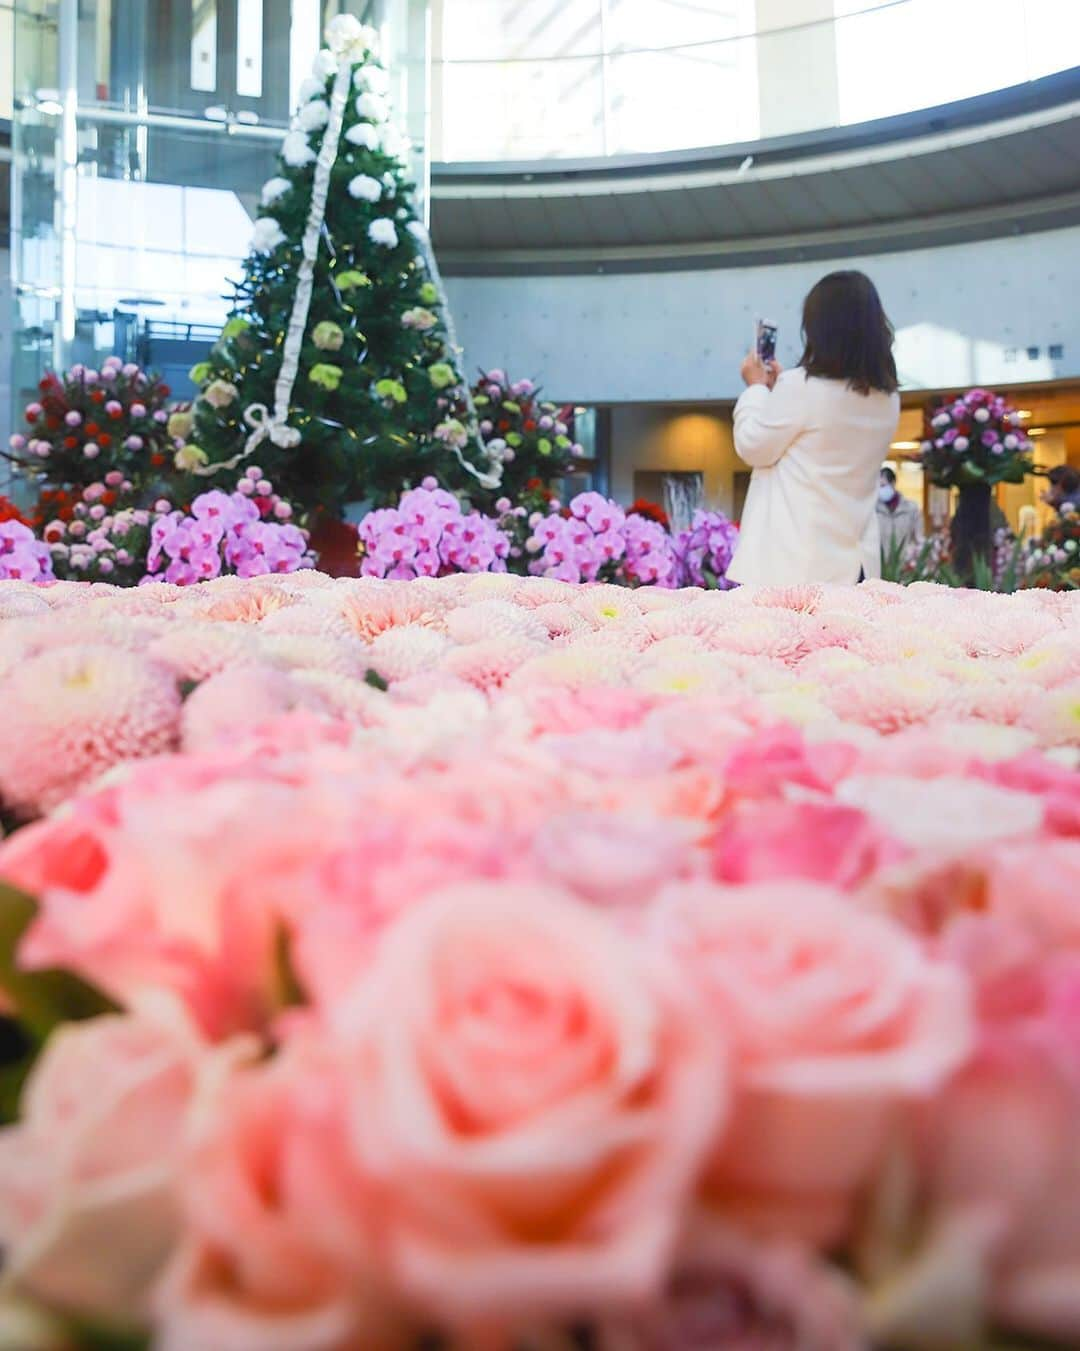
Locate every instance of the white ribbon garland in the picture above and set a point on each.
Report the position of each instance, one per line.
(274, 426)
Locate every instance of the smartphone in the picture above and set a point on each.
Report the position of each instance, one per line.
(765, 341)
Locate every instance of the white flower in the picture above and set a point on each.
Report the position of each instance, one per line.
(347, 36)
(371, 107)
(365, 187)
(267, 235)
(314, 116)
(311, 88)
(363, 133)
(1011, 442)
(961, 443)
(273, 190)
(417, 231)
(383, 233)
(419, 318)
(392, 140)
(942, 420)
(372, 77)
(324, 65)
(295, 150)
(982, 415)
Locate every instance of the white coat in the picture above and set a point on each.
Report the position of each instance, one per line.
(816, 448)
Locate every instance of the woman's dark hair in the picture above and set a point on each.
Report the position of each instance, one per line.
(889, 475)
(1065, 477)
(847, 334)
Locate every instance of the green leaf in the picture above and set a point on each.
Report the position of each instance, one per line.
(375, 680)
(41, 999)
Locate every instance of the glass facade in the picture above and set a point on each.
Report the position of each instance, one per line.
(141, 136)
(585, 78)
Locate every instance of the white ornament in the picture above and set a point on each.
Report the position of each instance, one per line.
(314, 116)
(295, 150)
(383, 233)
(324, 65)
(348, 38)
(371, 107)
(267, 235)
(363, 134)
(273, 190)
(311, 88)
(366, 188)
(373, 77)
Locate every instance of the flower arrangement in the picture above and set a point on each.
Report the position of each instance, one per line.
(976, 438)
(529, 436)
(705, 550)
(547, 986)
(595, 540)
(428, 535)
(87, 418)
(22, 556)
(1054, 559)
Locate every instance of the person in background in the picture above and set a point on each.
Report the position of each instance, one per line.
(1064, 490)
(900, 521)
(815, 438)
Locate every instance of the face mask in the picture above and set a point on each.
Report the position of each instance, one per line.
(885, 492)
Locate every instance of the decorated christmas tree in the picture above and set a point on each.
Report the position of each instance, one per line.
(336, 373)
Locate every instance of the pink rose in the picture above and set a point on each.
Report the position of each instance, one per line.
(817, 841)
(278, 1240)
(534, 1094)
(836, 1018)
(88, 1208)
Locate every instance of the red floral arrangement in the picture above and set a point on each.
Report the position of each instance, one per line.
(651, 511)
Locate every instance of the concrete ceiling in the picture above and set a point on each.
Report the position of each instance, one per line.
(1004, 163)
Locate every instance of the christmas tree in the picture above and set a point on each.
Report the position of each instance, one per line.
(336, 372)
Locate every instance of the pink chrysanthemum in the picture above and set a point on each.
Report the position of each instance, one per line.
(488, 663)
(73, 712)
(483, 620)
(197, 650)
(238, 701)
(402, 652)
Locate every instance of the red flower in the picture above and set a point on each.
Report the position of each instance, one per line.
(650, 510)
(97, 396)
(157, 460)
(103, 439)
(164, 391)
(46, 384)
(530, 425)
(108, 498)
(30, 416)
(116, 412)
(504, 425)
(70, 442)
(92, 429)
(53, 423)
(10, 512)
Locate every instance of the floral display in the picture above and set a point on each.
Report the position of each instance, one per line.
(490, 961)
(22, 556)
(1053, 560)
(429, 535)
(223, 532)
(704, 551)
(530, 436)
(594, 539)
(976, 438)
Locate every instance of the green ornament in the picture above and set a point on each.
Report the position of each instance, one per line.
(513, 439)
(481, 400)
(429, 293)
(233, 329)
(328, 336)
(562, 442)
(511, 406)
(352, 281)
(544, 446)
(442, 375)
(199, 373)
(325, 375)
(393, 390)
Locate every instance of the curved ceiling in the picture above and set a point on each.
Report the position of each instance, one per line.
(1002, 163)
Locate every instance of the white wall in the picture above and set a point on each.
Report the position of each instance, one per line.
(606, 338)
(7, 307)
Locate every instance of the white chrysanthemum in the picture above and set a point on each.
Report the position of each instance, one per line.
(574, 669)
(417, 230)
(313, 116)
(487, 619)
(267, 235)
(365, 188)
(311, 88)
(363, 134)
(72, 713)
(384, 233)
(17, 603)
(692, 673)
(372, 77)
(273, 190)
(295, 150)
(407, 651)
(347, 36)
(371, 107)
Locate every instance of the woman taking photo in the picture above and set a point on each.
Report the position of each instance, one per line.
(816, 437)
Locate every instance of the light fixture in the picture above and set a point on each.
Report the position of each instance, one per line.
(1036, 431)
(1023, 413)
(579, 412)
(905, 445)
(50, 107)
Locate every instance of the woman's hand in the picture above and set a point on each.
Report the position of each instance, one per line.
(754, 371)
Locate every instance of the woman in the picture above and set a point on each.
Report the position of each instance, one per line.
(816, 437)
